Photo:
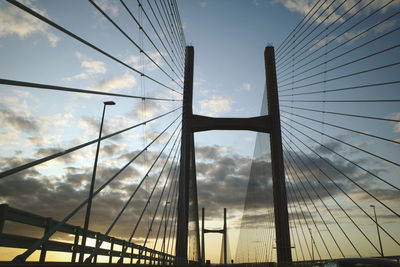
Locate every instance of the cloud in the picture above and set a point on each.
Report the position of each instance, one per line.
(40, 140)
(23, 94)
(386, 26)
(22, 125)
(386, 195)
(198, 82)
(330, 15)
(112, 149)
(147, 64)
(80, 76)
(396, 116)
(12, 162)
(116, 83)
(108, 7)
(222, 181)
(331, 144)
(246, 86)
(17, 122)
(58, 119)
(91, 66)
(146, 110)
(215, 106)
(220, 173)
(68, 158)
(45, 195)
(14, 21)
(203, 4)
(7, 138)
(89, 125)
(299, 6)
(16, 103)
(210, 152)
(133, 60)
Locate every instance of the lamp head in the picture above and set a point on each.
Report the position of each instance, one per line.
(372, 206)
(109, 103)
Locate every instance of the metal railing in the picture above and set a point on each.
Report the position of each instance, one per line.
(10, 214)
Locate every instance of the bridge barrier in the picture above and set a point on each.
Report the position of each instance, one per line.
(8, 213)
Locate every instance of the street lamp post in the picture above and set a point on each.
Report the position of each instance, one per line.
(312, 245)
(165, 228)
(89, 204)
(377, 229)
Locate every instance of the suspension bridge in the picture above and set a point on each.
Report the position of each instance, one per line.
(323, 181)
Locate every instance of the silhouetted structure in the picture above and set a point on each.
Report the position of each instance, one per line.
(187, 181)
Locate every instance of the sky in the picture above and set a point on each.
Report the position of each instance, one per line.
(229, 38)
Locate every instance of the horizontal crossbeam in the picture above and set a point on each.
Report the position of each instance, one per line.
(257, 124)
(213, 231)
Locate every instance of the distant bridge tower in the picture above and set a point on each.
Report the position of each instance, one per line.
(222, 231)
(187, 202)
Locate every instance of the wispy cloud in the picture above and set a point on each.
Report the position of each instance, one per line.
(20, 123)
(331, 14)
(300, 6)
(88, 125)
(109, 7)
(147, 64)
(246, 86)
(198, 82)
(396, 116)
(116, 83)
(216, 105)
(14, 21)
(203, 4)
(16, 114)
(89, 67)
(80, 76)
(45, 139)
(145, 110)
(94, 66)
(7, 138)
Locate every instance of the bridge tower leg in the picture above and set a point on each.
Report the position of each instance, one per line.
(185, 162)
(283, 247)
(225, 237)
(202, 237)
